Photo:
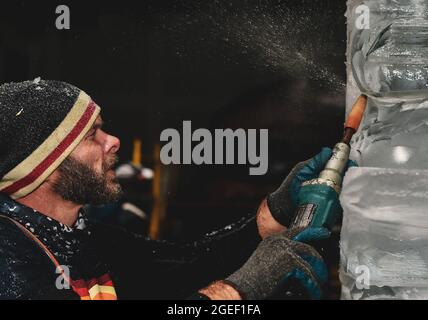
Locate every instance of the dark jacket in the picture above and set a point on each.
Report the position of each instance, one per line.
(139, 268)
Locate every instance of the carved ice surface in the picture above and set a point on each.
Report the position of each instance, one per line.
(385, 200)
(390, 57)
(393, 135)
(385, 230)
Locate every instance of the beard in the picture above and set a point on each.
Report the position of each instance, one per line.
(80, 183)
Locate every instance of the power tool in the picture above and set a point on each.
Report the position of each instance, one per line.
(318, 199)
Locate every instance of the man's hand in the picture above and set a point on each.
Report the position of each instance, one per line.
(221, 290)
(281, 260)
(266, 223)
(280, 205)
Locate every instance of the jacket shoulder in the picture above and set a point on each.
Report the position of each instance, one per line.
(21, 262)
(12, 239)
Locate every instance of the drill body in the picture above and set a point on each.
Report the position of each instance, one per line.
(318, 199)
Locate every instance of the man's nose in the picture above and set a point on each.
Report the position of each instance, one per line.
(112, 144)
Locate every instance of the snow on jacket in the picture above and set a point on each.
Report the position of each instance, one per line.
(106, 262)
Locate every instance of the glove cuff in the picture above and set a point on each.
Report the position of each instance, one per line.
(236, 288)
(277, 212)
(242, 285)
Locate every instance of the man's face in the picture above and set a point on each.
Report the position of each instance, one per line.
(87, 175)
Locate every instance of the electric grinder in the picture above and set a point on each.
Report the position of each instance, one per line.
(318, 204)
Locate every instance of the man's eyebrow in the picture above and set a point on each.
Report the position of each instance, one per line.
(95, 126)
(98, 125)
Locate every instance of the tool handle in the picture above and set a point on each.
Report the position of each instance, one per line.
(318, 206)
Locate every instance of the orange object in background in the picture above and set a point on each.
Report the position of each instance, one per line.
(136, 154)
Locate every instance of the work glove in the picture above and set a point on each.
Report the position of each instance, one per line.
(282, 202)
(279, 263)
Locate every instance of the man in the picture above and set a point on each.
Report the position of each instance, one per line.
(55, 158)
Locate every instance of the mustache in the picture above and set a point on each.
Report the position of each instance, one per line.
(110, 162)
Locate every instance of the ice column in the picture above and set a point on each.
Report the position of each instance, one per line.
(384, 239)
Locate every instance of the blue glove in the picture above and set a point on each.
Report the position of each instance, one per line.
(283, 263)
(312, 288)
(282, 202)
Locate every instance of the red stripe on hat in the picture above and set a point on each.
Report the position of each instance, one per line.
(53, 156)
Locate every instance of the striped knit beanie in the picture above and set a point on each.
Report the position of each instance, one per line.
(41, 122)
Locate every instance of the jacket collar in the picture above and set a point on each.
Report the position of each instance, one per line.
(62, 240)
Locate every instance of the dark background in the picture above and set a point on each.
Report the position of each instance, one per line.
(151, 64)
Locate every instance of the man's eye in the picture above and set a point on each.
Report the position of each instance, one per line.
(91, 136)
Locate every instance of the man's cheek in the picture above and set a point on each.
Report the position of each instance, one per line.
(96, 159)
